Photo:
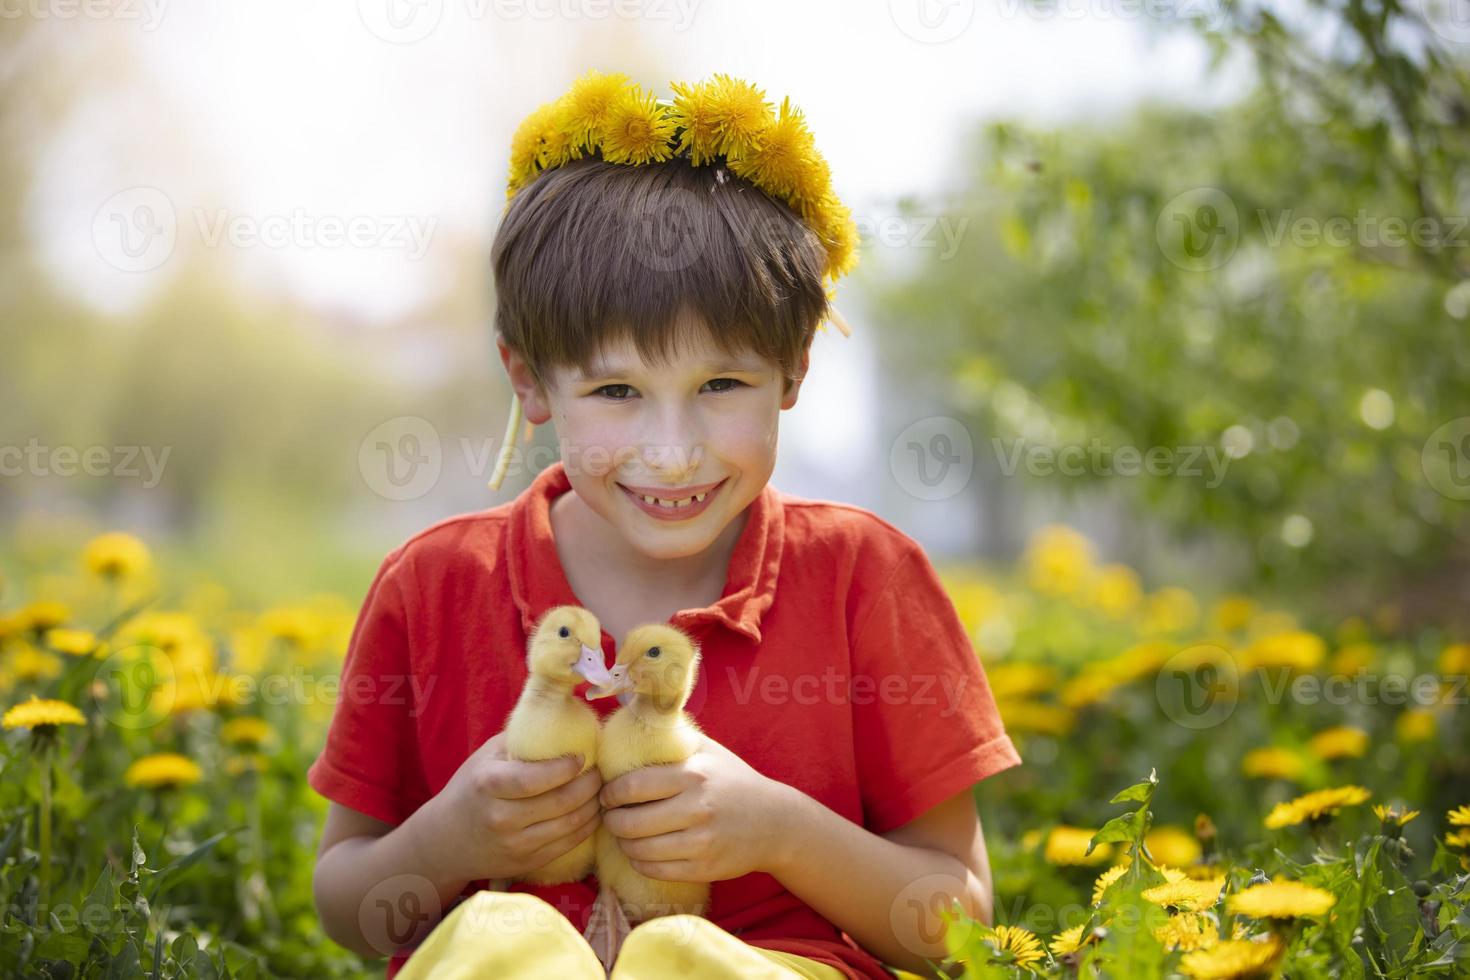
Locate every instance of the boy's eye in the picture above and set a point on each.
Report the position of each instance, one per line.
(725, 384)
(616, 398)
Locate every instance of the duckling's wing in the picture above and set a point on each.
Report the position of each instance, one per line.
(607, 927)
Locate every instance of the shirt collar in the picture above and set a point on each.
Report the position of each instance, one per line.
(538, 582)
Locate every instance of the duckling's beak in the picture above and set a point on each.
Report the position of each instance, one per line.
(590, 665)
(617, 684)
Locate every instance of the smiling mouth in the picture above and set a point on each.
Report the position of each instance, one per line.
(672, 504)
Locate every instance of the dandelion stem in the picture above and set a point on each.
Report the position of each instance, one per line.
(45, 828)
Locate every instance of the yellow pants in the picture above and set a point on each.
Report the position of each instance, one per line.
(518, 936)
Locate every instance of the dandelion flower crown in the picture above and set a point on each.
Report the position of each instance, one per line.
(721, 120)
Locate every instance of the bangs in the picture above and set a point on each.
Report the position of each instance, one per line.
(593, 253)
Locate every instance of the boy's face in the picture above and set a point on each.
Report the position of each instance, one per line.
(703, 421)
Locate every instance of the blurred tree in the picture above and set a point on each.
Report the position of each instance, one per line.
(1284, 281)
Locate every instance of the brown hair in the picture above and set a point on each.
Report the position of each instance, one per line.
(594, 252)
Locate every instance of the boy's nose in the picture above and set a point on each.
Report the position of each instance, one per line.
(672, 460)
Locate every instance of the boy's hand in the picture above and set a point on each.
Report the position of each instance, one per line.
(499, 817)
(708, 818)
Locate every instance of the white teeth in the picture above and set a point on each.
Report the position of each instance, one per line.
(674, 504)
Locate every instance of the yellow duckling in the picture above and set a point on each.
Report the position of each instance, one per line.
(656, 668)
(548, 721)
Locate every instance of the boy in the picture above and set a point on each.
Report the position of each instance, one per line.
(847, 715)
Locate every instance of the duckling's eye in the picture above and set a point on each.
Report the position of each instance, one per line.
(653, 653)
(564, 632)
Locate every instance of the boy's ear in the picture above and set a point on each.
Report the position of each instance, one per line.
(534, 403)
(793, 387)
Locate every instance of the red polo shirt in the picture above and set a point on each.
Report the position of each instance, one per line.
(834, 661)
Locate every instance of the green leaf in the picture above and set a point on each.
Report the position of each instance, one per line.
(1141, 792)
(139, 858)
(1127, 828)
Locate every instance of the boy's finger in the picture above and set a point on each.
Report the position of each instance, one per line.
(527, 779)
(642, 785)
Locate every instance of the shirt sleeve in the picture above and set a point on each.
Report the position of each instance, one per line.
(370, 761)
(925, 724)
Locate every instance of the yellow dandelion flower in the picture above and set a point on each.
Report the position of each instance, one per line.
(1068, 845)
(43, 614)
(1459, 816)
(719, 116)
(30, 664)
(1455, 659)
(1352, 658)
(116, 555)
(1293, 649)
(1021, 945)
(1319, 805)
(292, 625)
(1281, 899)
(1035, 718)
(246, 731)
(168, 631)
(528, 145)
(635, 129)
(1415, 725)
(164, 770)
(1233, 958)
(1105, 880)
(1091, 686)
(1070, 941)
(1020, 680)
(1115, 591)
(1233, 612)
(43, 716)
(1181, 893)
(1173, 846)
(1169, 610)
(588, 103)
(1187, 931)
(1458, 839)
(1395, 815)
(1341, 742)
(1271, 763)
(1058, 560)
(835, 229)
(78, 643)
(782, 155)
(238, 765)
